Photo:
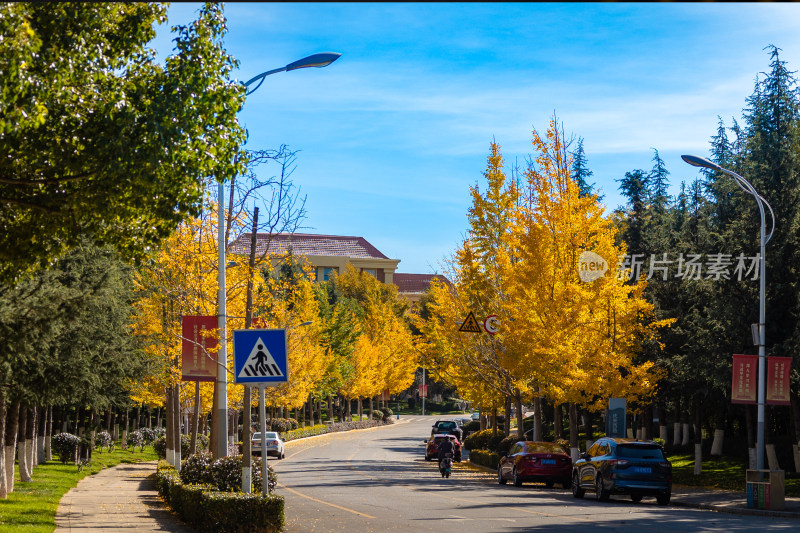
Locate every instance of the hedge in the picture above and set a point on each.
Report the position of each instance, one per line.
(210, 510)
(484, 458)
(484, 440)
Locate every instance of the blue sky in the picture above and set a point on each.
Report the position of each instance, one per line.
(391, 135)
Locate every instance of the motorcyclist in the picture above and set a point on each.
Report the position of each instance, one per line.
(445, 447)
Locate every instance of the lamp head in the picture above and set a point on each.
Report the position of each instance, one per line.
(696, 161)
(317, 60)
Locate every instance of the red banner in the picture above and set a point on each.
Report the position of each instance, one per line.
(778, 370)
(198, 363)
(423, 391)
(386, 395)
(745, 374)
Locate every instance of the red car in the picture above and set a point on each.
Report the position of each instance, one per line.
(535, 461)
(432, 447)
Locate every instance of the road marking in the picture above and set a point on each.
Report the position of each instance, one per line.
(284, 487)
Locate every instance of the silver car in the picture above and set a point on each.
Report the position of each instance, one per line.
(274, 444)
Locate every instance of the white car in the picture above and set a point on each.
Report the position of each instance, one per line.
(274, 444)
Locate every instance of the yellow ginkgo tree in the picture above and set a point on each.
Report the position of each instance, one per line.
(561, 337)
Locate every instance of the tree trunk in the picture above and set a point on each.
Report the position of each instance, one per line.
(12, 430)
(3, 413)
(32, 437)
(48, 448)
(769, 441)
(124, 437)
(751, 437)
(698, 439)
(507, 419)
(662, 424)
(537, 419)
(677, 426)
(22, 454)
(520, 416)
(648, 423)
(796, 433)
(558, 422)
(574, 450)
(587, 428)
(196, 417)
(176, 420)
(170, 438)
(719, 432)
(41, 431)
(330, 409)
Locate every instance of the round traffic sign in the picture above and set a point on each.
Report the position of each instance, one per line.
(491, 324)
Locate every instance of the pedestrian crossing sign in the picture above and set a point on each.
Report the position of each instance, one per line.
(260, 356)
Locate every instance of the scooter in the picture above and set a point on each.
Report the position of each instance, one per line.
(446, 465)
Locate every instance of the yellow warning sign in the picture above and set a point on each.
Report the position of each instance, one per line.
(470, 325)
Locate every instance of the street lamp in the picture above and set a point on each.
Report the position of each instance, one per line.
(220, 421)
(762, 363)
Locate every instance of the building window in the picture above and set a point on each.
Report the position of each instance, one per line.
(327, 272)
(371, 271)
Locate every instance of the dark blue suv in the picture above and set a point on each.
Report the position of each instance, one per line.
(623, 466)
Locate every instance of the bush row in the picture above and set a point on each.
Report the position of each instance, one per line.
(485, 440)
(207, 509)
(160, 445)
(484, 458)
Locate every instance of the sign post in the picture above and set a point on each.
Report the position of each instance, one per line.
(261, 359)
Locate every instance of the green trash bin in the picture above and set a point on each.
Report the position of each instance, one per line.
(765, 489)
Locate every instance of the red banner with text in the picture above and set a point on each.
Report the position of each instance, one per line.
(199, 364)
(778, 370)
(745, 373)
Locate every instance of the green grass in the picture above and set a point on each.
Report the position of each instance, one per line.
(32, 506)
(719, 473)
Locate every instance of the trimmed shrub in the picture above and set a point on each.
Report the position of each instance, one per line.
(160, 445)
(135, 438)
(387, 413)
(148, 435)
(64, 445)
(193, 468)
(376, 415)
(504, 445)
(472, 426)
(103, 440)
(226, 474)
(282, 424)
(484, 458)
(209, 510)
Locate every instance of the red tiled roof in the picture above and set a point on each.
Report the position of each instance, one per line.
(308, 244)
(415, 283)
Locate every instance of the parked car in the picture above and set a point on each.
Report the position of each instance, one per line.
(450, 427)
(475, 416)
(432, 446)
(535, 461)
(623, 466)
(274, 444)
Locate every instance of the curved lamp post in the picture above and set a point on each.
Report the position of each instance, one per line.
(762, 363)
(220, 420)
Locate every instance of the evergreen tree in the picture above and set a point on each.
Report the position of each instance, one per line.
(580, 172)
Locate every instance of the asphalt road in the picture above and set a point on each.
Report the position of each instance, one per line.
(377, 480)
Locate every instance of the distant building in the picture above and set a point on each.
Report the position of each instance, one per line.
(331, 253)
(326, 253)
(413, 286)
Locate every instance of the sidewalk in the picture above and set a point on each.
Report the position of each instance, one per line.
(119, 499)
(728, 502)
